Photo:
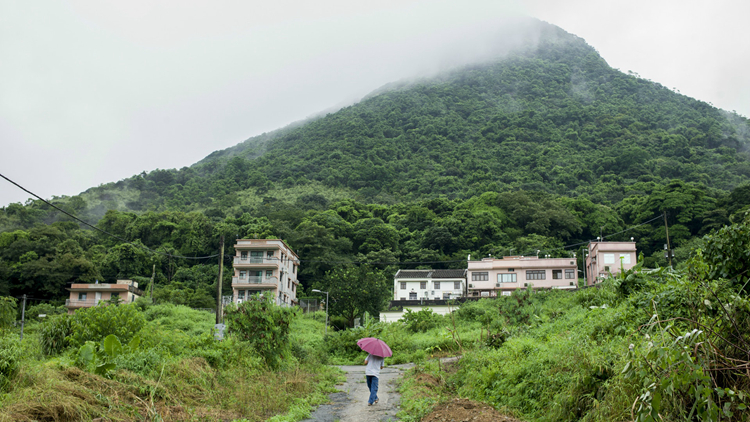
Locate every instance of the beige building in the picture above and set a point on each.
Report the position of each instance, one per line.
(86, 295)
(605, 259)
(492, 277)
(429, 284)
(266, 266)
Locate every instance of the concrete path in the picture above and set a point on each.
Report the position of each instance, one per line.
(350, 403)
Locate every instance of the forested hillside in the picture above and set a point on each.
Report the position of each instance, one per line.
(541, 149)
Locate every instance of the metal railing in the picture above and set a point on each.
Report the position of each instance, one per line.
(254, 280)
(256, 260)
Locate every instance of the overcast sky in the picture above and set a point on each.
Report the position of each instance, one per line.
(96, 91)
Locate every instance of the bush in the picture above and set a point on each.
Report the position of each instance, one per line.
(44, 309)
(53, 334)
(264, 325)
(421, 321)
(96, 323)
(10, 355)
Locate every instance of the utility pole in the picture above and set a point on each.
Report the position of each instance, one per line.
(151, 284)
(218, 285)
(23, 314)
(669, 247)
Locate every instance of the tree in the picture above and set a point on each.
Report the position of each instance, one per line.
(355, 290)
(7, 312)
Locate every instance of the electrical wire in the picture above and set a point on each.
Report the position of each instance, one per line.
(104, 231)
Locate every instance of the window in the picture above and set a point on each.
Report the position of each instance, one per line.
(609, 258)
(480, 276)
(625, 258)
(402, 298)
(557, 274)
(456, 285)
(510, 270)
(570, 273)
(240, 294)
(81, 296)
(243, 255)
(114, 295)
(506, 293)
(506, 278)
(243, 274)
(403, 285)
(412, 295)
(536, 275)
(269, 273)
(269, 254)
(446, 296)
(437, 285)
(422, 285)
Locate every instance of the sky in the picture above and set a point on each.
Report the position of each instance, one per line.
(97, 91)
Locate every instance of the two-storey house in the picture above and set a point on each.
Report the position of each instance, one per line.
(429, 284)
(495, 277)
(86, 295)
(605, 259)
(265, 266)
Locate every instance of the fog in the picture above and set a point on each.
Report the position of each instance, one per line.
(94, 92)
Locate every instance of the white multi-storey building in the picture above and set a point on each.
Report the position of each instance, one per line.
(429, 284)
(266, 266)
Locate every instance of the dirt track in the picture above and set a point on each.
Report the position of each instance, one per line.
(350, 404)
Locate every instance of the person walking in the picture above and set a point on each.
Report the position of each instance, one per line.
(372, 372)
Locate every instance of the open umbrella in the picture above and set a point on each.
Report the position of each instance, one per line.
(375, 346)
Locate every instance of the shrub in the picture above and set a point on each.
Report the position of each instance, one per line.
(96, 323)
(53, 334)
(264, 325)
(10, 355)
(421, 321)
(7, 312)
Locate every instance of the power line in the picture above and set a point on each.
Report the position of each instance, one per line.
(104, 231)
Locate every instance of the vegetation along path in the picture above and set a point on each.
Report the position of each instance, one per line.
(350, 403)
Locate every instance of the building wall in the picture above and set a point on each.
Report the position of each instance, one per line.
(605, 259)
(493, 277)
(393, 316)
(413, 288)
(266, 266)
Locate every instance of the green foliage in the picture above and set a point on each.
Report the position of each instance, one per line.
(421, 321)
(11, 353)
(7, 312)
(354, 291)
(264, 325)
(54, 332)
(727, 254)
(95, 323)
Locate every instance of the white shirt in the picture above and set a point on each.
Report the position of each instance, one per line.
(373, 365)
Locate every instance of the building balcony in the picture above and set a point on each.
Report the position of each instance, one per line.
(257, 262)
(254, 280)
(85, 303)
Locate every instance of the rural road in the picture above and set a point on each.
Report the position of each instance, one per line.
(350, 403)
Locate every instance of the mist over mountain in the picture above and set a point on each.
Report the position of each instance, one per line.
(535, 144)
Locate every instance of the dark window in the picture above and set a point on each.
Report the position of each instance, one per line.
(240, 294)
(480, 276)
(269, 273)
(422, 285)
(557, 274)
(456, 285)
(536, 275)
(403, 285)
(269, 254)
(81, 296)
(570, 273)
(437, 285)
(412, 295)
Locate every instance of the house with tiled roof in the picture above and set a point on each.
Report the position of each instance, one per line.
(429, 284)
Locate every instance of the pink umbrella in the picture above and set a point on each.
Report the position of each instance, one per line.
(375, 347)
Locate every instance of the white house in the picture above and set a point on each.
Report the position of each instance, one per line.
(429, 284)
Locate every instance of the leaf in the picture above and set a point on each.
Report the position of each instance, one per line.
(112, 346)
(134, 343)
(104, 368)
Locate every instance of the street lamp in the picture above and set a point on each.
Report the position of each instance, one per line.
(318, 291)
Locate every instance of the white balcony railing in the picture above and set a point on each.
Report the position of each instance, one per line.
(254, 260)
(254, 280)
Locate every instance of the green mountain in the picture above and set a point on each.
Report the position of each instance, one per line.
(535, 149)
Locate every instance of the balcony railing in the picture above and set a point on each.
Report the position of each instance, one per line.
(254, 280)
(254, 260)
(85, 303)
